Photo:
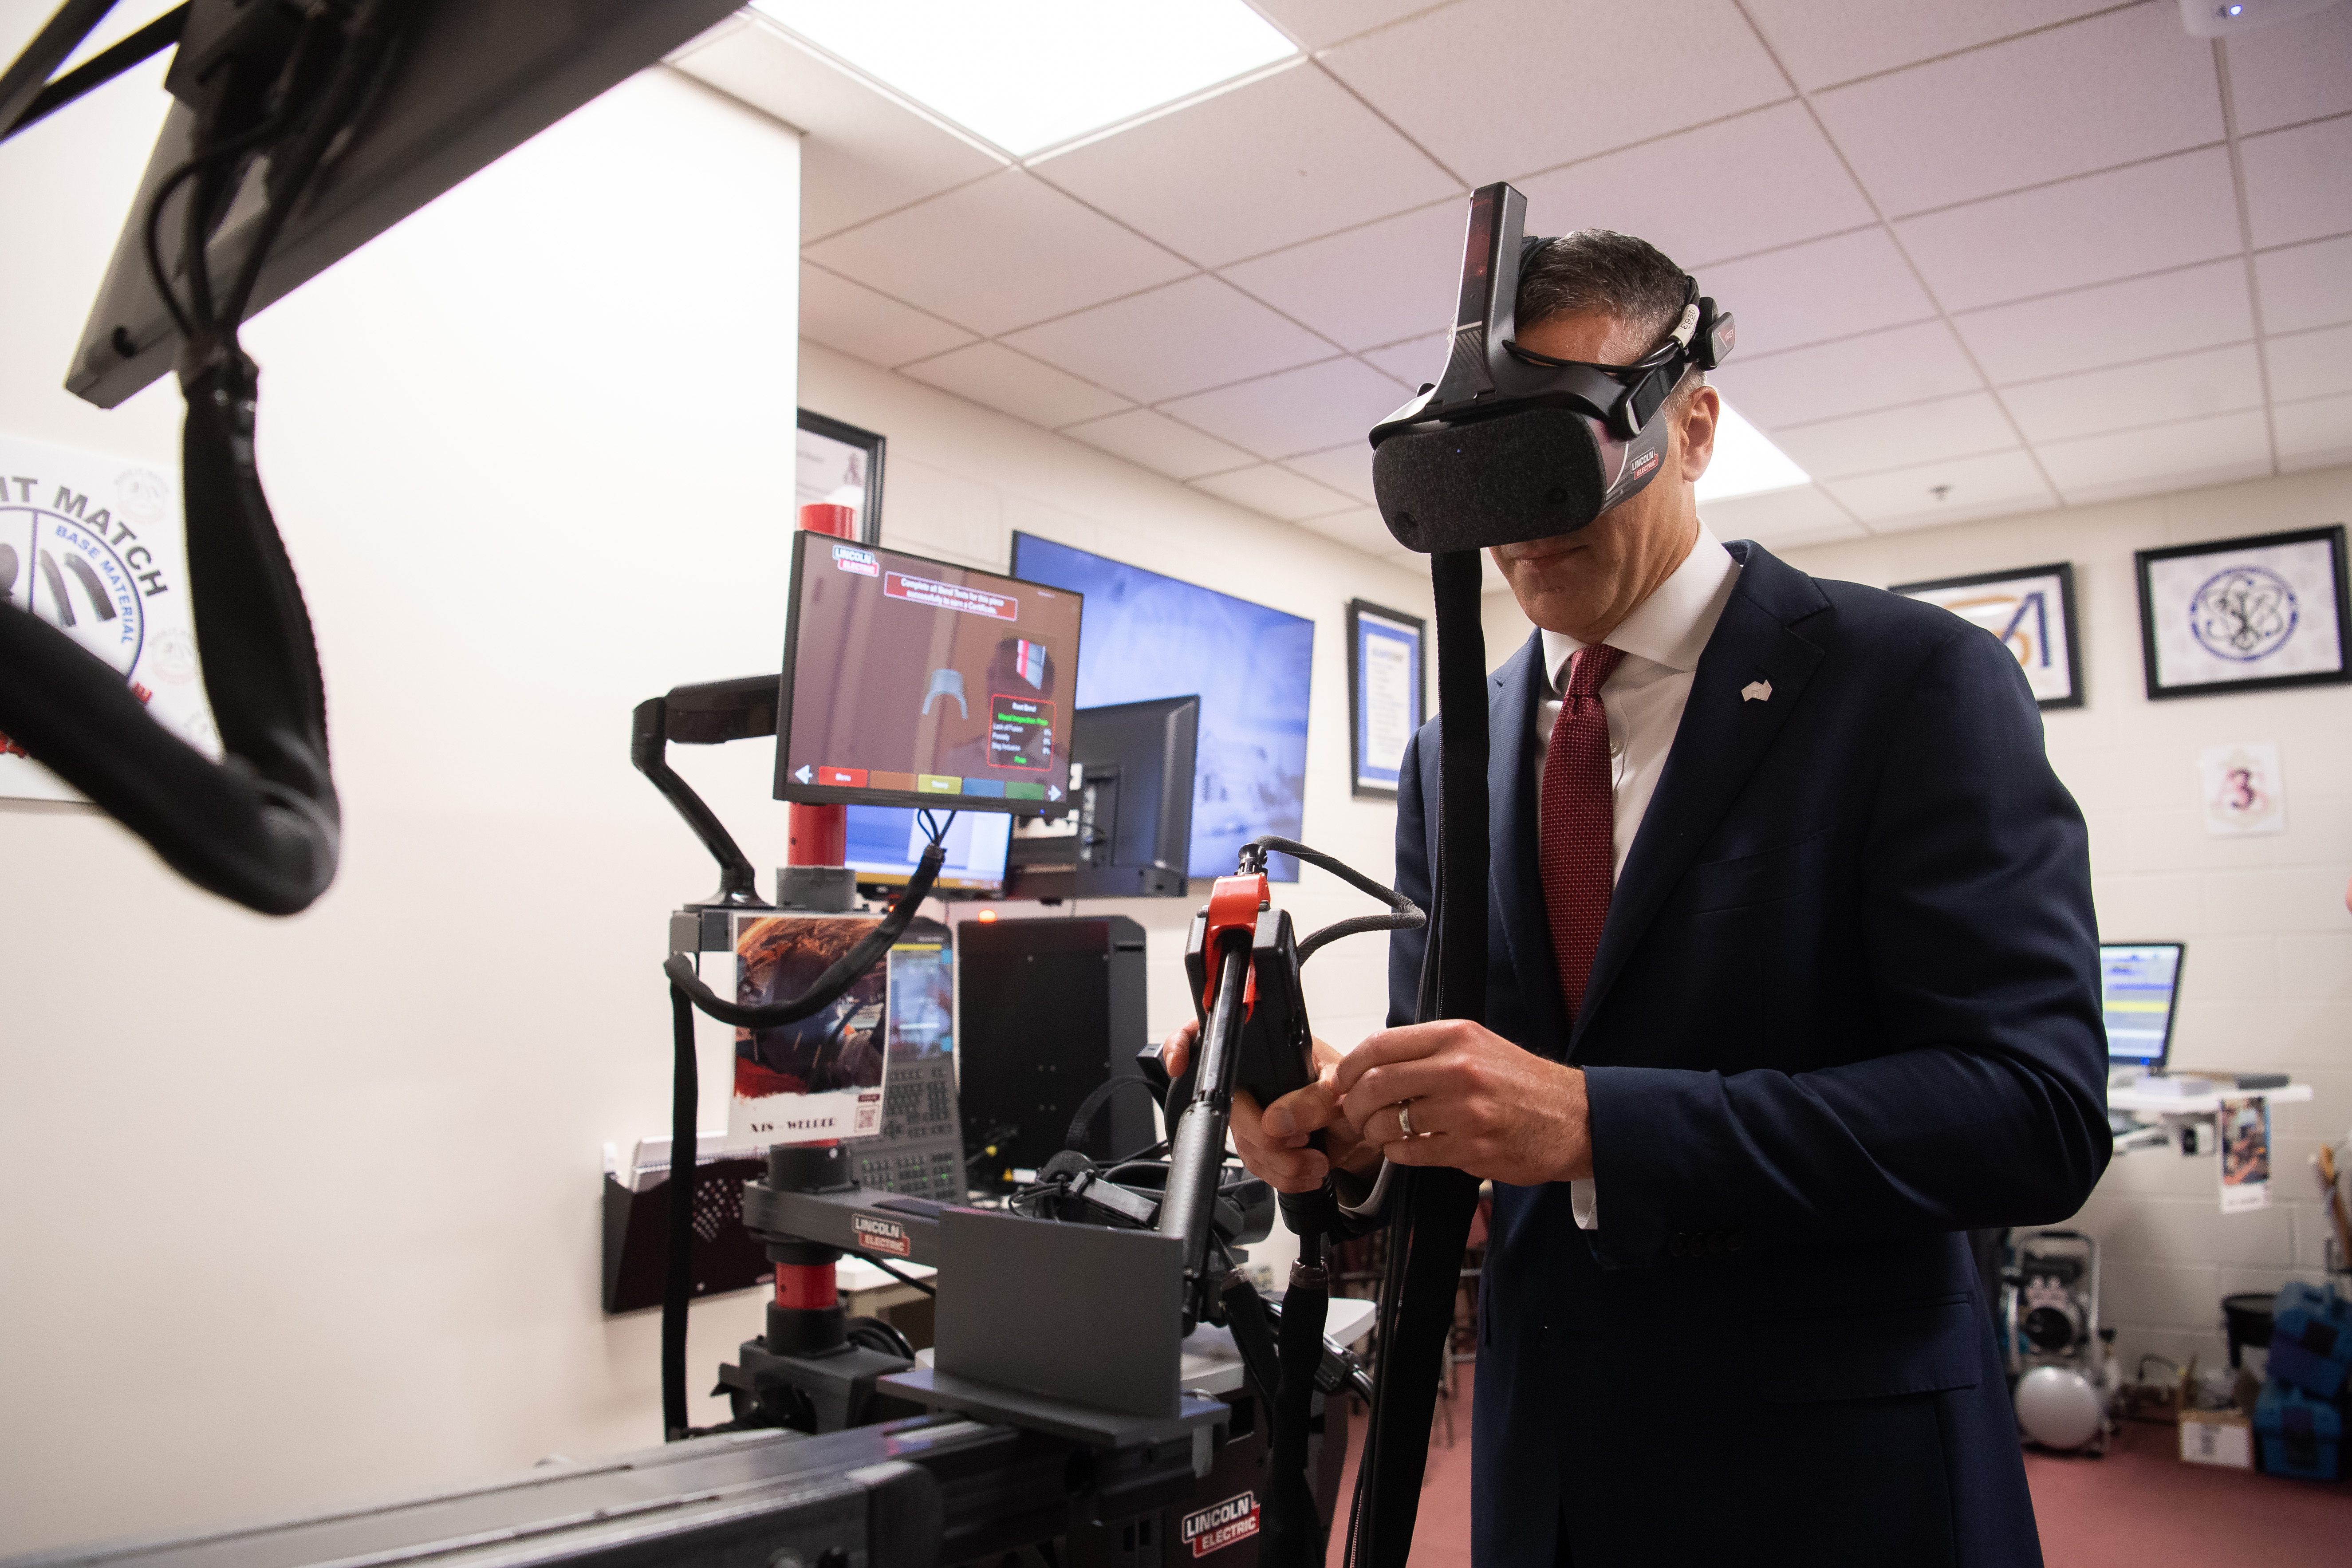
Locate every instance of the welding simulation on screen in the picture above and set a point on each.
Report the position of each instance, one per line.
(2138, 983)
(916, 683)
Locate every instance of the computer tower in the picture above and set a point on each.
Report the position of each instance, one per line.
(1047, 1011)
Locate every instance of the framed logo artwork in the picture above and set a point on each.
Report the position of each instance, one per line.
(2243, 614)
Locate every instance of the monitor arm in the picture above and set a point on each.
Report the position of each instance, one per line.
(709, 714)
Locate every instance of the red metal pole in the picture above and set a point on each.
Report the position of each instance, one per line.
(819, 834)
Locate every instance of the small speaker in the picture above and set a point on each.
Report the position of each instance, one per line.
(1529, 475)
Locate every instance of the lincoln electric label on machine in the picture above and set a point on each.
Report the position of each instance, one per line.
(875, 1234)
(1220, 1524)
(821, 1077)
(91, 544)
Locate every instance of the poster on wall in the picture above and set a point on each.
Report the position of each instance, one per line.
(2031, 611)
(2243, 614)
(821, 1077)
(92, 545)
(1384, 694)
(2243, 1131)
(2243, 789)
(839, 465)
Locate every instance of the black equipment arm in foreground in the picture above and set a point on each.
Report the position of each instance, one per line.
(102, 67)
(707, 714)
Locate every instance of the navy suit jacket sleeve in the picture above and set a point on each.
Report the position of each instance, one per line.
(1964, 1083)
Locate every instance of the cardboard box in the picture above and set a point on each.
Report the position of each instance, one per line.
(2222, 1438)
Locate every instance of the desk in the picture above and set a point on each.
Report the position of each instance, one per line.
(2142, 1102)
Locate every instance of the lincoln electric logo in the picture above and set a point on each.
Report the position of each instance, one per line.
(875, 1234)
(849, 558)
(1221, 1524)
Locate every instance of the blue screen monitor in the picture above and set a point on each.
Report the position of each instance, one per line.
(1144, 636)
(883, 843)
(2138, 981)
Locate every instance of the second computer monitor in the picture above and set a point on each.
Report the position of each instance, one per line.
(2138, 984)
(1135, 763)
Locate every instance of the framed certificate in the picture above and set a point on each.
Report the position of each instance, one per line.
(2031, 611)
(1384, 694)
(2243, 614)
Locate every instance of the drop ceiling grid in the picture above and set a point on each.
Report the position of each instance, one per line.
(1846, 270)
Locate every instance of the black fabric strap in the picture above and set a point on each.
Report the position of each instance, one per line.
(678, 1277)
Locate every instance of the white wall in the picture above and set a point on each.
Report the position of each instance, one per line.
(304, 1213)
(960, 478)
(2267, 982)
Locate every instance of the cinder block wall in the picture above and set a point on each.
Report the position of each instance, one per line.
(2268, 978)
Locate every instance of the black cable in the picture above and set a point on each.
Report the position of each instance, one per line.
(1405, 915)
(830, 985)
(677, 1281)
(924, 1285)
(102, 67)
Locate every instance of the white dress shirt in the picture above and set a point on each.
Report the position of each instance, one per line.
(1644, 697)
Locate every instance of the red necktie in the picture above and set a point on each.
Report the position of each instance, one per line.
(1579, 823)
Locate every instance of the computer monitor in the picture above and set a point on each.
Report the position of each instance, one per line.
(883, 843)
(912, 682)
(2138, 981)
(1150, 635)
(1135, 767)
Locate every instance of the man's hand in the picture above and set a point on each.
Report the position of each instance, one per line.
(1477, 1103)
(1273, 1141)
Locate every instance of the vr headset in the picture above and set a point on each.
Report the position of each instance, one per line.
(1509, 445)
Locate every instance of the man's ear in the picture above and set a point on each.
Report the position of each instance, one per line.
(1698, 422)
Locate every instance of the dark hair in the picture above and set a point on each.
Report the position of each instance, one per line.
(1599, 269)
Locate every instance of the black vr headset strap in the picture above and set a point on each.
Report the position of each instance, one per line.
(1433, 1207)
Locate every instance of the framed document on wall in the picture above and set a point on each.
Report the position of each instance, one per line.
(2243, 614)
(839, 465)
(1384, 694)
(2032, 610)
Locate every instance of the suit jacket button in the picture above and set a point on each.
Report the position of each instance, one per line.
(1734, 1240)
(1678, 1244)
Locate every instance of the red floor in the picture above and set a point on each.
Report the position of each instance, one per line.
(2137, 1508)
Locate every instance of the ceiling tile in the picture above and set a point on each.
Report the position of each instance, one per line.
(857, 320)
(862, 153)
(1347, 469)
(1159, 443)
(2160, 457)
(1974, 487)
(1368, 285)
(2295, 70)
(1319, 24)
(1802, 515)
(1898, 437)
(998, 254)
(1827, 288)
(994, 374)
(1416, 361)
(1197, 334)
(2186, 387)
(2195, 308)
(1496, 89)
(2315, 435)
(2305, 285)
(1306, 410)
(2310, 364)
(1827, 41)
(2299, 182)
(1278, 492)
(2107, 90)
(2141, 219)
(1360, 528)
(1764, 179)
(1879, 370)
(1283, 159)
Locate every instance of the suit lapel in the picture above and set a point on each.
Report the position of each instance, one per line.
(1513, 692)
(1724, 735)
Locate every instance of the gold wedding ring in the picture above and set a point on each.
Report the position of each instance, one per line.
(1405, 1118)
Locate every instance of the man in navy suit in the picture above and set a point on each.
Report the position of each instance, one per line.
(1792, 981)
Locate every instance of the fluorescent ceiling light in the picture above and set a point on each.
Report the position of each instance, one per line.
(1031, 74)
(1746, 462)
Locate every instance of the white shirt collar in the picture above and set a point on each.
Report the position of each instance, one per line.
(1671, 627)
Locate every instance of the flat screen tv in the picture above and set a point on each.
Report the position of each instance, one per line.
(1145, 636)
